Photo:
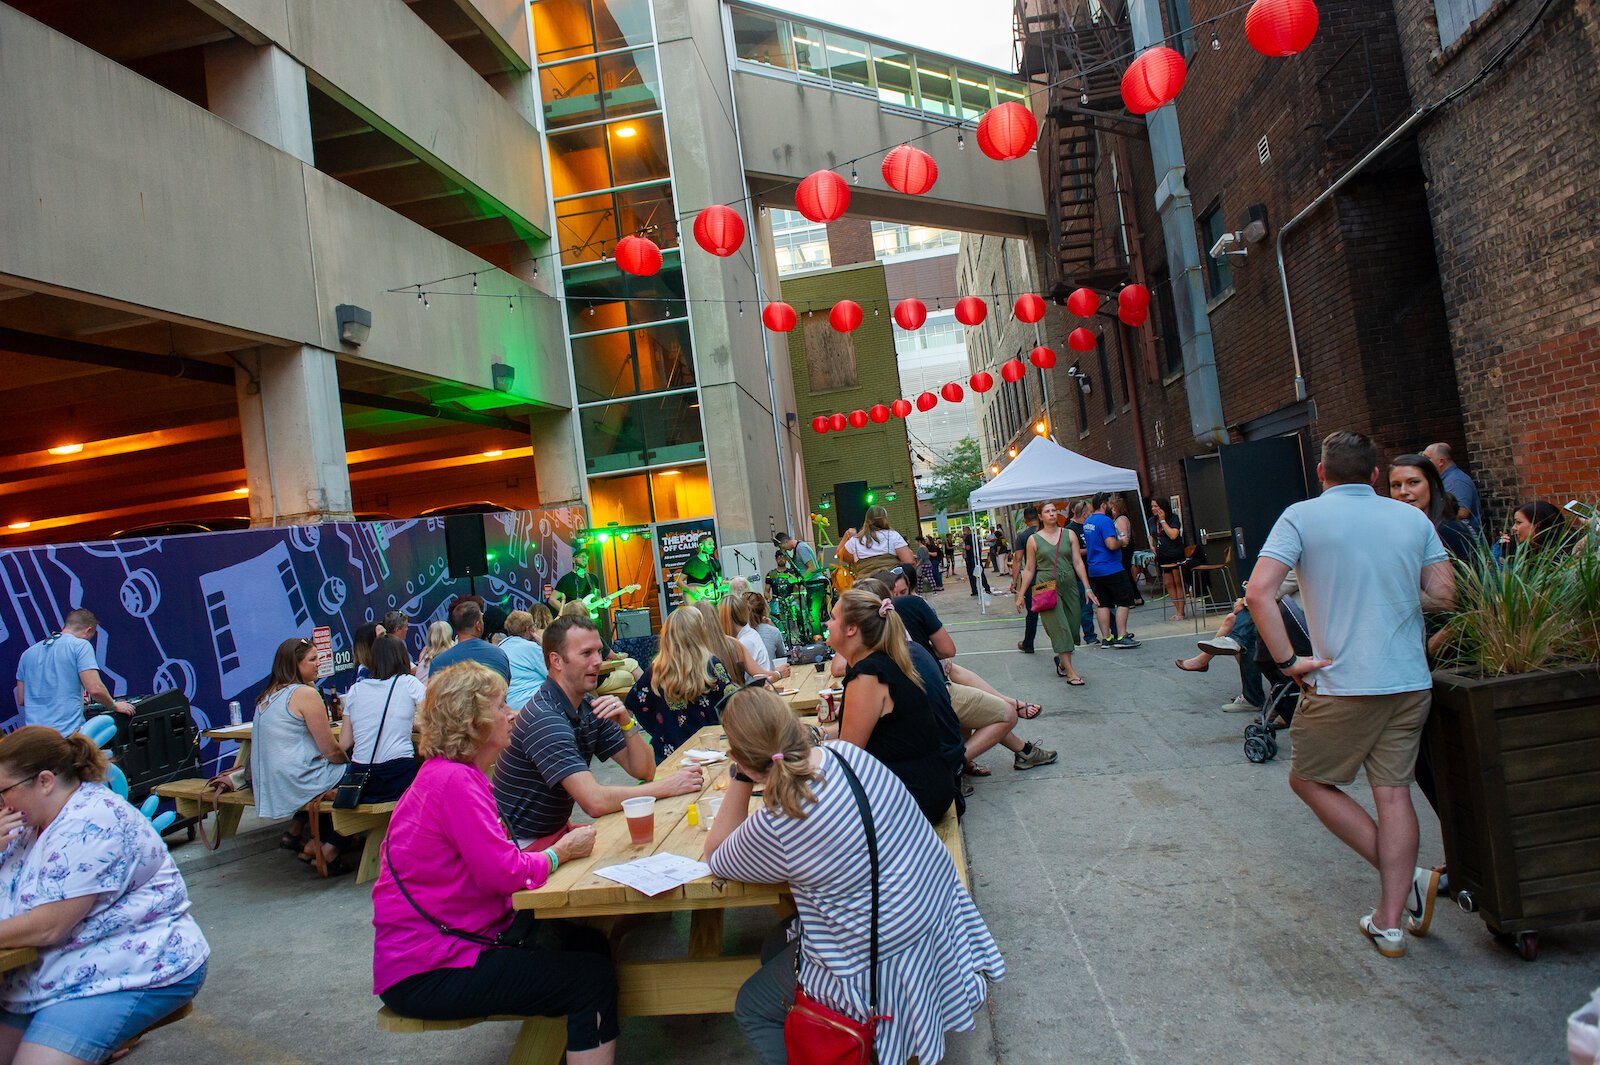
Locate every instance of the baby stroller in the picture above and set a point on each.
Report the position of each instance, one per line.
(1283, 694)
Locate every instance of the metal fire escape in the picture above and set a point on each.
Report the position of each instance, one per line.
(1074, 50)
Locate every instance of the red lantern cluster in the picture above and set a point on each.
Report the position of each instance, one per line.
(778, 317)
(1133, 305)
(1154, 78)
(951, 392)
(910, 170)
(719, 230)
(1080, 339)
(1029, 308)
(981, 381)
(845, 316)
(819, 424)
(1012, 370)
(1007, 131)
(1279, 28)
(1042, 357)
(970, 310)
(638, 256)
(879, 414)
(909, 314)
(858, 419)
(1083, 302)
(836, 422)
(900, 408)
(927, 401)
(822, 196)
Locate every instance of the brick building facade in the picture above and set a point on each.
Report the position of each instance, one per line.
(1512, 187)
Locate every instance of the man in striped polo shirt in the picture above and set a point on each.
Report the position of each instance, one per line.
(546, 771)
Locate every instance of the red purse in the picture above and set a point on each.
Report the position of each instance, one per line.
(815, 1034)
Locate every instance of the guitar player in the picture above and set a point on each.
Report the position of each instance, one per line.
(701, 576)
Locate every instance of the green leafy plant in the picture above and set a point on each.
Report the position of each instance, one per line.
(1537, 610)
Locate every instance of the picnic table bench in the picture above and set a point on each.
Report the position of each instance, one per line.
(704, 980)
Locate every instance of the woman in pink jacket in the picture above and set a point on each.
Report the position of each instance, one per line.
(446, 947)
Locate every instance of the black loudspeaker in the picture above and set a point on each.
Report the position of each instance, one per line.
(850, 500)
(632, 624)
(465, 548)
(156, 744)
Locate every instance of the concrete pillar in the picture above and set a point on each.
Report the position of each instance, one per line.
(262, 90)
(555, 457)
(289, 418)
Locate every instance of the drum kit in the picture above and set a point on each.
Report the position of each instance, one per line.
(800, 605)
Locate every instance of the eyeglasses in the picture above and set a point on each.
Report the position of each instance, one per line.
(18, 784)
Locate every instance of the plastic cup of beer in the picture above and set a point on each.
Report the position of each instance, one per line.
(641, 814)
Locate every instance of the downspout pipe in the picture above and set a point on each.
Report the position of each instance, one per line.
(1283, 232)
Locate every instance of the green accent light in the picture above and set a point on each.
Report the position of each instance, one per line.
(625, 537)
(824, 505)
(872, 497)
(604, 537)
(889, 496)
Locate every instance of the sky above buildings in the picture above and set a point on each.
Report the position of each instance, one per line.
(967, 29)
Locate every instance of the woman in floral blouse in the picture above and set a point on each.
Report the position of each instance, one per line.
(679, 691)
(86, 881)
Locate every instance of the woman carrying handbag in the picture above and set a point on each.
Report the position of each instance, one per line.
(379, 715)
(891, 952)
(1055, 593)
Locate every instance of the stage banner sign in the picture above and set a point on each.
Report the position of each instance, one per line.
(676, 543)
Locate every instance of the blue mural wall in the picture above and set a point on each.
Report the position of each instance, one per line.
(204, 612)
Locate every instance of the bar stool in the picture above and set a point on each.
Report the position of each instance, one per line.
(1200, 588)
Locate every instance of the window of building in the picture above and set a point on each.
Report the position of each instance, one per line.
(590, 90)
(848, 61)
(1219, 272)
(799, 243)
(1455, 17)
(760, 38)
(588, 227)
(564, 28)
(627, 362)
(1083, 407)
(656, 495)
(1106, 384)
(976, 95)
(936, 87)
(653, 431)
(810, 49)
(1167, 317)
(600, 297)
(830, 355)
(896, 85)
(1180, 26)
(632, 151)
(890, 239)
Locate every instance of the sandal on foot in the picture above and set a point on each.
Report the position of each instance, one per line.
(290, 842)
(973, 769)
(1076, 682)
(1028, 711)
(1179, 662)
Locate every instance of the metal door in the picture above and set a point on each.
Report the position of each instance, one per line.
(1207, 522)
(1260, 478)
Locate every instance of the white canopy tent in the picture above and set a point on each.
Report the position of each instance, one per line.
(1046, 470)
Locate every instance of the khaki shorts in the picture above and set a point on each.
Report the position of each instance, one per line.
(975, 707)
(1334, 735)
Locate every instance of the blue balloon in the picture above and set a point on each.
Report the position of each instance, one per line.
(150, 805)
(117, 781)
(165, 821)
(100, 729)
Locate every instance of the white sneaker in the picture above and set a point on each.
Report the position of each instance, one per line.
(1419, 907)
(1239, 705)
(1391, 942)
(1220, 645)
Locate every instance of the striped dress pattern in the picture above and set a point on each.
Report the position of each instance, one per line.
(935, 953)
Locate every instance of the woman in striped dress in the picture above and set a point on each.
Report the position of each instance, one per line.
(935, 954)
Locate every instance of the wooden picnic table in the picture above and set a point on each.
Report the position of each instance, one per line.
(16, 958)
(805, 682)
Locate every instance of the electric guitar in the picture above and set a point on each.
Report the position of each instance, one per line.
(594, 602)
(712, 590)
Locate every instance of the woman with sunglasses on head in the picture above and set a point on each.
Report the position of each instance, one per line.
(934, 954)
(294, 756)
(896, 701)
(90, 886)
(681, 687)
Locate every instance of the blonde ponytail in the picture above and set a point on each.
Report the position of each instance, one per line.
(881, 630)
(764, 736)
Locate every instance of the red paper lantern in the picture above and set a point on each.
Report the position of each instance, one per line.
(1042, 357)
(910, 170)
(1080, 339)
(778, 317)
(951, 392)
(909, 314)
(927, 401)
(981, 381)
(1133, 305)
(638, 256)
(1129, 316)
(900, 408)
(970, 310)
(719, 230)
(858, 419)
(819, 424)
(836, 422)
(1083, 302)
(845, 316)
(1280, 28)
(1028, 308)
(1012, 370)
(822, 196)
(1007, 131)
(879, 413)
(1153, 79)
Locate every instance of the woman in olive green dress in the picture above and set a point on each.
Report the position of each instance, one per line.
(1054, 555)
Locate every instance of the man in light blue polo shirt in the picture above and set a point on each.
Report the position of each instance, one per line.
(53, 674)
(1368, 566)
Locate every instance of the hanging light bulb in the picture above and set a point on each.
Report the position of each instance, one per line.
(855, 178)
(741, 308)
(511, 305)
(1216, 45)
(536, 268)
(961, 140)
(591, 310)
(474, 282)
(1083, 98)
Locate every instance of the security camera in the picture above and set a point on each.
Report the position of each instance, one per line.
(1220, 248)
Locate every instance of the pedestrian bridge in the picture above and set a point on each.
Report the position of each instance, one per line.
(811, 96)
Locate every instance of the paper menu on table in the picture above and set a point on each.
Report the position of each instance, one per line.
(657, 873)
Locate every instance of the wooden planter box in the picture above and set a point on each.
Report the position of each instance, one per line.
(1517, 768)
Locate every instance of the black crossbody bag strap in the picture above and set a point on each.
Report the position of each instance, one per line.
(872, 855)
(378, 739)
(457, 933)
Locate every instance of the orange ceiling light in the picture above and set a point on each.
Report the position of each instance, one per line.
(18, 526)
(493, 453)
(626, 132)
(66, 449)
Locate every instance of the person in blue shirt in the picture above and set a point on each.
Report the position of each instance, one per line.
(54, 674)
(466, 619)
(1458, 484)
(528, 669)
(1108, 577)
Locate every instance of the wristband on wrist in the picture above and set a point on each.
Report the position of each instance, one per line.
(629, 726)
(555, 863)
(1286, 663)
(733, 772)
